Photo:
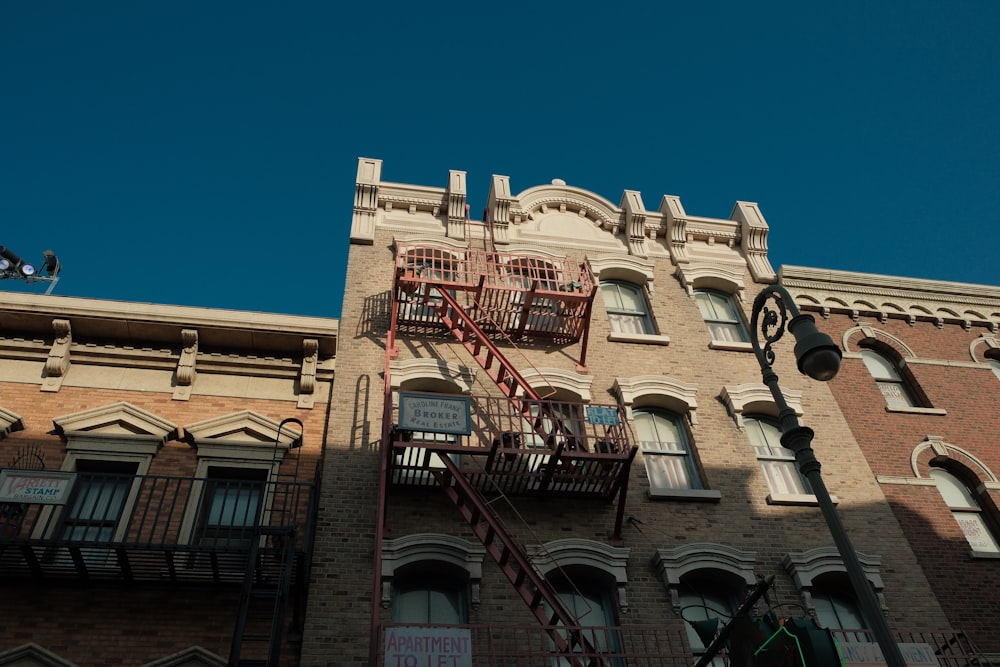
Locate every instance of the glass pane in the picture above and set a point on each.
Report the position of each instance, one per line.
(879, 367)
(995, 365)
(668, 472)
(784, 477)
(632, 299)
(837, 611)
(628, 324)
(976, 532)
(612, 300)
(765, 438)
(895, 395)
(726, 333)
(705, 305)
(955, 493)
(234, 505)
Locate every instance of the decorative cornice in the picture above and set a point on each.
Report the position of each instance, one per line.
(751, 396)
(658, 390)
(559, 378)
(9, 422)
(116, 419)
(883, 296)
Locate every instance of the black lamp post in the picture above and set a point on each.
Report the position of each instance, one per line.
(818, 357)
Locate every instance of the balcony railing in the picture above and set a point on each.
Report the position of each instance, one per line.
(622, 646)
(115, 526)
(523, 446)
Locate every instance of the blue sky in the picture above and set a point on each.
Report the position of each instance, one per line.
(204, 153)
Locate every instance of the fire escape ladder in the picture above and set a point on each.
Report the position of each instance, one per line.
(544, 421)
(260, 622)
(531, 586)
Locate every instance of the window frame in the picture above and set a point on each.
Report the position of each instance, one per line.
(736, 323)
(776, 454)
(686, 452)
(617, 315)
(877, 359)
(972, 511)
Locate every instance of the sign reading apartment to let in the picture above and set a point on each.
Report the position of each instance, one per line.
(428, 647)
(866, 654)
(39, 487)
(435, 414)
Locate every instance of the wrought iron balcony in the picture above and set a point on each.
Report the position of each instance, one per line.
(521, 446)
(514, 294)
(153, 528)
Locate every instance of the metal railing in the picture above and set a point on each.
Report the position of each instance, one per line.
(109, 520)
(950, 649)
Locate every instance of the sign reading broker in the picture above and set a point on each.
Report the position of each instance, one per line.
(435, 414)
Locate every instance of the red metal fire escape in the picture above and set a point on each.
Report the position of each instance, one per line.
(534, 445)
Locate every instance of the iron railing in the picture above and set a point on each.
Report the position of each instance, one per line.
(149, 526)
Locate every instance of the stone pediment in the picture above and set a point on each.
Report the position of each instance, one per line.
(9, 422)
(191, 657)
(115, 420)
(241, 428)
(32, 655)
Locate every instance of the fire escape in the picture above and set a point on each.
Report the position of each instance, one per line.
(521, 442)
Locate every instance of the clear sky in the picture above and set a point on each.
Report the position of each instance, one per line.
(204, 153)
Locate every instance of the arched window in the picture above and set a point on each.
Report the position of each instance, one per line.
(890, 381)
(628, 309)
(666, 450)
(966, 510)
(588, 598)
(777, 462)
(706, 595)
(724, 320)
(834, 603)
(430, 592)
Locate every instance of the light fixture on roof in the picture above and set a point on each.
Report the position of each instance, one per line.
(12, 266)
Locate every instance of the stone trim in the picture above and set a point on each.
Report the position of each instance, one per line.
(32, 655)
(194, 656)
(9, 422)
(851, 339)
(409, 370)
(409, 549)
(756, 397)
(674, 564)
(622, 267)
(558, 554)
(245, 434)
(116, 420)
(558, 378)
(806, 566)
(57, 365)
(640, 391)
(186, 371)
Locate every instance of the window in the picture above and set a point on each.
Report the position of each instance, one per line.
(531, 273)
(836, 607)
(966, 510)
(429, 599)
(427, 265)
(886, 373)
(628, 310)
(593, 608)
(231, 506)
(665, 449)
(725, 324)
(777, 462)
(702, 599)
(100, 493)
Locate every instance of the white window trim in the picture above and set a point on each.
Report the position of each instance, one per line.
(806, 566)
(575, 552)
(638, 272)
(674, 564)
(424, 547)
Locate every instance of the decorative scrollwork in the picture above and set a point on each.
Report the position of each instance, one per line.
(770, 322)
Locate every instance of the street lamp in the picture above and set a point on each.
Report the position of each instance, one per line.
(818, 357)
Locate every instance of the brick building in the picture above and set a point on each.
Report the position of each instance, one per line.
(919, 386)
(549, 434)
(158, 481)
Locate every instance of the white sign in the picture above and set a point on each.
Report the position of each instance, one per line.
(428, 647)
(862, 654)
(435, 414)
(39, 487)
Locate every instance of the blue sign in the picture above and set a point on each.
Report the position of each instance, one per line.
(602, 415)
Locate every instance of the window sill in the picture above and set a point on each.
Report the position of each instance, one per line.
(690, 495)
(984, 555)
(732, 346)
(918, 411)
(806, 499)
(645, 339)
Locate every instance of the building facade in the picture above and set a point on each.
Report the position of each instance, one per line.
(919, 386)
(157, 491)
(551, 439)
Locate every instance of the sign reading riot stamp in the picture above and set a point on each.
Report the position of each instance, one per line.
(428, 647)
(39, 487)
(435, 414)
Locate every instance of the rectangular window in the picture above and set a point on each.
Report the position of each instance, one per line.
(722, 317)
(231, 506)
(94, 513)
(627, 309)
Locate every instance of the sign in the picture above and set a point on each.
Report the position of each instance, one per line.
(435, 413)
(37, 487)
(863, 654)
(602, 415)
(428, 647)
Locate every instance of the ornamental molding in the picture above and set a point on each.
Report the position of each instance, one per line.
(622, 267)
(911, 299)
(756, 397)
(242, 429)
(9, 422)
(640, 391)
(411, 370)
(558, 378)
(556, 555)
(116, 420)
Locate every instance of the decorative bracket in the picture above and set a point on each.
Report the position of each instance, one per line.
(635, 222)
(307, 379)
(498, 209)
(366, 201)
(186, 364)
(57, 365)
(456, 205)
